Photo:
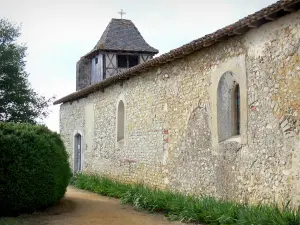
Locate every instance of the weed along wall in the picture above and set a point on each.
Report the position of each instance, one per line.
(175, 133)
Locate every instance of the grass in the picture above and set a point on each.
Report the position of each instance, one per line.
(184, 208)
(10, 221)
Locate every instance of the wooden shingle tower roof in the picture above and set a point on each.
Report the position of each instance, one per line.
(122, 35)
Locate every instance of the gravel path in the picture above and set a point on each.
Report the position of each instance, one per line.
(85, 208)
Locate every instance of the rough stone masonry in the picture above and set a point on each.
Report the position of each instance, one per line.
(171, 135)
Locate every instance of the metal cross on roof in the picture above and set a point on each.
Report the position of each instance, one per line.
(122, 13)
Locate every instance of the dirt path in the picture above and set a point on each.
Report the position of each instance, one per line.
(85, 208)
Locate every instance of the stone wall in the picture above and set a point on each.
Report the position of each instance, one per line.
(83, 73)
(171, 126)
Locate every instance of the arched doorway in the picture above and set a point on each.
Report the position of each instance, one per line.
(77, 153)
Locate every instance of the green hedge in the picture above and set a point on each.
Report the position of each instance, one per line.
(34, 168)
(177, 206)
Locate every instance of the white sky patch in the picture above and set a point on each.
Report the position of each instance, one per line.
(58, 32)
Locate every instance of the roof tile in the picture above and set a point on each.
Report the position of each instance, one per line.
(122, 35)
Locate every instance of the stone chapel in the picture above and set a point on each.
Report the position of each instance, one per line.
(218, 116)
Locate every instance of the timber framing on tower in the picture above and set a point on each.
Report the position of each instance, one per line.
(265, 15)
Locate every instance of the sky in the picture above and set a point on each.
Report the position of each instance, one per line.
(58, 32)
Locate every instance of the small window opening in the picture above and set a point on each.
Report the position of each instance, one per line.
(96, 60)
(236, 110)
(228, 107)
(77, 153)
(127, 61)
(122, 61)
(120, 121)
(133, 60)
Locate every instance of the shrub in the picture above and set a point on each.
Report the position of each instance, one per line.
(34, 168)
(177, 206)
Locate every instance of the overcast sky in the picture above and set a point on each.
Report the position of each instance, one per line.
(59, 32)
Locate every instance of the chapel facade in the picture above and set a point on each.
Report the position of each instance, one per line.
(219, 116)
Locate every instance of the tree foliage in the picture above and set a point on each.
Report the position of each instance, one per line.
(34, 168)
(18, 101)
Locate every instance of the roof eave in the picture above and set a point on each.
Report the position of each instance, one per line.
(92, 53)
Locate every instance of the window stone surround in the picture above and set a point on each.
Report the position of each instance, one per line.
(237, 66)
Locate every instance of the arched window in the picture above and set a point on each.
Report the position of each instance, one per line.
(228, 107)
(236, 110)
(120, 121)
(77, 153)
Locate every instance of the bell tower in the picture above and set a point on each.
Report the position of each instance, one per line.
(120, 47)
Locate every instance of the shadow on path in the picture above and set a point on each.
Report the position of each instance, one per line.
(85, 208)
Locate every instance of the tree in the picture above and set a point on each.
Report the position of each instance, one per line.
(18, 101)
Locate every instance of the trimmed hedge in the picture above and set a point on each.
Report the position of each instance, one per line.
(34, 168)
(184, 208)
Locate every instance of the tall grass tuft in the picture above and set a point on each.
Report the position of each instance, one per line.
(177, 206)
